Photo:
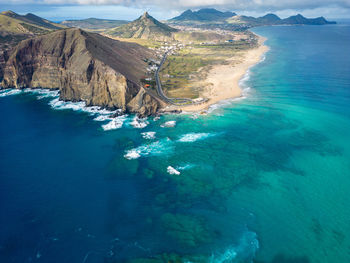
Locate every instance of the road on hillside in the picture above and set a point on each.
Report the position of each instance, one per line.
(174, 101)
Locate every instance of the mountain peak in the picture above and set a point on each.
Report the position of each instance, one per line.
(270, 15)
(145, 15)
(146, 27)
(204, 14)
(188, 11)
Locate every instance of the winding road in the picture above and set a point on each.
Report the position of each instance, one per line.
(161, 94)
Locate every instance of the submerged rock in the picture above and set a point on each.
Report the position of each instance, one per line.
(188, 231)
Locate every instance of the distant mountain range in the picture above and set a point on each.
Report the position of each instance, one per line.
(213, 16)
(206, 14)
(299, 19)
(94, 24)
(145, 27)
(272, 19)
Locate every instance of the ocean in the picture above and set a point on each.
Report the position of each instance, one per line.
(263, 179)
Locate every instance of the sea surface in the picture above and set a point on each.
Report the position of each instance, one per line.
(262, 179)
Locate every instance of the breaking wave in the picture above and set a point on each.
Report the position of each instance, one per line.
(242, 83)
(115, 123)
(168, 124)
(80, 106)
(177, 169)
(139, 123)
(192, 137)
(154, 148)
(172, 170)
(9, 92)
(100, 113)
(66, 105)
(43, 93)
(148, 135)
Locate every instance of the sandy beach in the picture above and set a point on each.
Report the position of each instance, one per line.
(223, 80)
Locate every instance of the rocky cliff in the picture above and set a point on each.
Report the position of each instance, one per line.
(84, 67)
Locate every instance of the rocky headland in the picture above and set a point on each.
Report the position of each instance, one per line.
(84, 67)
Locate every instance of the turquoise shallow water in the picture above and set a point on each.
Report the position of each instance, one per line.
(265, 178)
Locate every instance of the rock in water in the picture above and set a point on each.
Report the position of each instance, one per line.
(84, 67)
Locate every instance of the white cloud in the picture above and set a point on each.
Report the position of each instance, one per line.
(168, 8)
(181, 4)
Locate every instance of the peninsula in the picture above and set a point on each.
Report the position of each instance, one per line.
(144, 66)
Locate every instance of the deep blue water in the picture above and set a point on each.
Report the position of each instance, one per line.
(264, 178)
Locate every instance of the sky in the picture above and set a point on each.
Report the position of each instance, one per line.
(58, 10)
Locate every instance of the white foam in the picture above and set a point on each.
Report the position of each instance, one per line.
(65, 105)
(148, 135)
(154, 148)
(223, 103)
(244, 79)
(177, 169)
(115, 123)
(168, 124)
(194, 116)
(172, 170)
(80, 106)
(139, 123)
(9, 92)
(103, 118)
(43, 93)
(99, 110)
(100, 113)
(245, 92)
(192, 137)
(132, 154)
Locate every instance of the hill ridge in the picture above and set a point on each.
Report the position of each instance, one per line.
(211, 15)
(84, 66)
(204, 14)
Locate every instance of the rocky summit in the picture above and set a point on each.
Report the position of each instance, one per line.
(84, 67)
(145, 27)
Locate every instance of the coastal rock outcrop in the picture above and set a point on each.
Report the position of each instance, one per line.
(84, 67)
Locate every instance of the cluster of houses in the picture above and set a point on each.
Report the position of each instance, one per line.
(166, 47)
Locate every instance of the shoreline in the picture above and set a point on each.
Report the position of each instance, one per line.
(223, 81)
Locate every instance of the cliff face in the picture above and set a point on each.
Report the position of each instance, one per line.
(84, 67)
